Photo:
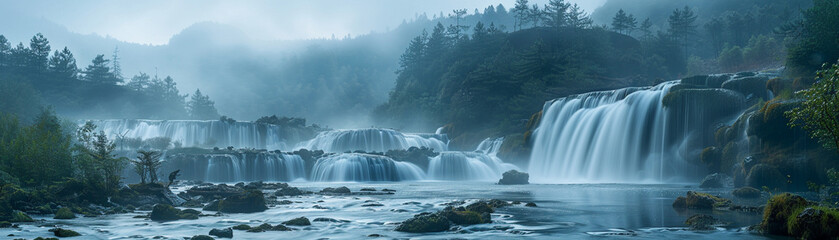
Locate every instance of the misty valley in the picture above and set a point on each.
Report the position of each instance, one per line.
(513, 119)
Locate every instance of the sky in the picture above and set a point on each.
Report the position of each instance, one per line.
(155, 22)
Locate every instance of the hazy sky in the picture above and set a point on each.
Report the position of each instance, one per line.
(154, 22)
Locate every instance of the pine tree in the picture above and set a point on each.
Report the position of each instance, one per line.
(99, 72)
(535, 15)
(139, 82)
(201, 107)
(521, 13)
(456, 29)
(682, 27)
(39, 50)
(116, 69)
(5, 52)
(63, 64)
(646, 29)
(623, 23)
(578, 18)
(555, 13)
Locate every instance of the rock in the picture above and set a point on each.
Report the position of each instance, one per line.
(288, 191)
(388, 190)
(530, 204)
(64, 213)
(480, 207)
(301, 221)
(340, 190)
(716, 180)
(464, 217)
(778, 211)
(212, 206)
(202, 237)
(322, 219)
(267, 227)
(214, 191)
(749, 86)
(189, 214)
(148, 194)
(698, 200)
(5, 224)
(60, 232)
(514, 177)
(249, 202)
(425, 222)
(702, 222)
(764, 175)
(280, 227)
(18, 216)
(368, 190)
(372, 205)
(375, 235)
(222, 233)
(243, 227)
(164, 212)
(746, 192)
(814, 223)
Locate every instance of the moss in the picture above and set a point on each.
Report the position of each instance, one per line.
(248, 202)
(764, 175)
(467, 217)
(695, 80)
(201, 237)
(60, 232)
(18, 216)
(814, 223)
(778, 210)
(746, 192)
(710, 156)
(64, 213)
(728, 156)
(243, 227)
(425, 222)
(699, 200)
(164, 212)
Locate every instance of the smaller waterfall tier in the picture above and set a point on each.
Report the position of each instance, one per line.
(197, 133)
(472, 166)
(262, 166)
(373, 140)
(355, 167)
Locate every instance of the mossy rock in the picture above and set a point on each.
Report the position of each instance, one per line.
(189, 214)
(164, 212)
(702, 222)
(301, 221)
(778, 211)
(243, 227)
(746, 192)
(814, 223)
(222, 233)
(18, 216)
(64, 213)
(764, 175)
(249, 202)
(60, 232)
(698, 200)
(212, 206)
(425, 222)
(711, 157)
(338, 190)
(465, 217)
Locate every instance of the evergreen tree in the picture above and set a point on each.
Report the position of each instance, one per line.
(147, 165)
(682, 27)
(535, 15)
(99, 72)
(201, 107)
(19, 57)
(578, 18)
(5, 52)
(456, 29)
(63, 64)
(646, 29)
(555, 13)
(818, 42)
(521, 12)
(479, 32)
(139, 82)
(623, 23)
(39, 50)
(116, 69)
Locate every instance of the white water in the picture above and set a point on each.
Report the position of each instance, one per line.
(471, 166)
(263, 166)
(355, 167)
(371, 140)
(609, 136)
(197, 133)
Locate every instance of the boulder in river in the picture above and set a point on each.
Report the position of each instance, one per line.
(60, 232)
(702, 222)
(425, 222)
(222, 233)
(716, 180)
(746, 192)
(698, 200)
(514, 177)
(248, 202)
(301, 221)
(339, 190)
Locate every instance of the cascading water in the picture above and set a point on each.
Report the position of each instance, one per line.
(490, 146)
(474, 166)
(628, 135)
(355, 167)
(609, 136)
(192, 133)
(371, 140)
(263, 166)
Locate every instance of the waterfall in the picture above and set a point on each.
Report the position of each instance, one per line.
(609, 136)
(372, 140)
(195, 133)
(262, 166)
(473, 166)
(357, 167)
(490, 146)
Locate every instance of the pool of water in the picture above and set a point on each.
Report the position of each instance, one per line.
(575, 211)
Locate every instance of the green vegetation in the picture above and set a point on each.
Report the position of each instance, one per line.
(815, 38)
(29, 76)
(780, 208)
(819, 112)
